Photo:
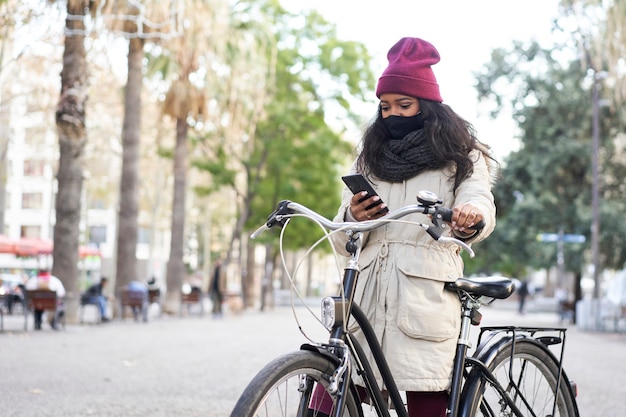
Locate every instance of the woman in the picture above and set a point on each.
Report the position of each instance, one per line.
(416, 143)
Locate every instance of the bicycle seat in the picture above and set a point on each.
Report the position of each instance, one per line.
(495, 287)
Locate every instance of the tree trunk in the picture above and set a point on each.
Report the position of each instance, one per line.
(70, 121)
(266, 282)
(175, 266)
(126, 269)
(4, 145)
(249, 277)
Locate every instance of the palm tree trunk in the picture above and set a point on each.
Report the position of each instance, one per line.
(175, 266)
(70, 120)
(129, 182)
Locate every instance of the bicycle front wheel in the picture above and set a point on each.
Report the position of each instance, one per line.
(283, 388)
(534, 371)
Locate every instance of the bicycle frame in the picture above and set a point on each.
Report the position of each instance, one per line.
(341, 340)
(469, 374)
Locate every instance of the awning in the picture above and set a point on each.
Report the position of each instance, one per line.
(86, 251)
(32, 247)
(6, 244)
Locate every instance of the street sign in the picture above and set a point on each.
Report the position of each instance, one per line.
(574, 238)
(547, 237)
(555, 237)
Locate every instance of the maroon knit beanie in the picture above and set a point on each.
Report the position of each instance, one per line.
(409, 71)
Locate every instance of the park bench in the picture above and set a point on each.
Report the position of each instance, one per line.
(136, 300)
(46, 300)
(154, 296)
(614, 314)
(2, 304)
(191, 299)
(567, 311)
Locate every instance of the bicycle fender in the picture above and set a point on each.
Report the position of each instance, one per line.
(488, 340)
(322, 350)
(484, 357)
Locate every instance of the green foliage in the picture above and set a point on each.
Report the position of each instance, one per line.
(217, 167)
(301, 167)
(545, 187)
(294, 154)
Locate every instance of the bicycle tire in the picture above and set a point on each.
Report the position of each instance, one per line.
(284, 386)
(535, 371)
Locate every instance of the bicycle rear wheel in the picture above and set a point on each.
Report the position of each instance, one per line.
(283, 388)
(534, 370)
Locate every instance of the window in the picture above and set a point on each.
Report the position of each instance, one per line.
(33, 168)
(97, 204)
(30, 231)
(143, 235)
(97, 234)
(35, 136)
(32, 201)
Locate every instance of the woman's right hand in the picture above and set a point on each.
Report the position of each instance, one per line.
(359, 209)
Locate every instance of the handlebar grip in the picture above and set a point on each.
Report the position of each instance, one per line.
(479, 226)
(446, 215)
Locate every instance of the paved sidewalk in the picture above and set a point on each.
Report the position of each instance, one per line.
(198, 366)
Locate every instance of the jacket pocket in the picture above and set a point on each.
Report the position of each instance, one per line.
(425, 310)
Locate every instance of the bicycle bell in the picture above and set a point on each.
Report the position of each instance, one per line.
(428, 198)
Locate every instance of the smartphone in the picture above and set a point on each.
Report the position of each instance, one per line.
(357, 183)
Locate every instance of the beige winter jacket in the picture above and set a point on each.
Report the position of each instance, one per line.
(400, 287)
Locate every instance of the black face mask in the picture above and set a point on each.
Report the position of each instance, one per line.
(399, 126)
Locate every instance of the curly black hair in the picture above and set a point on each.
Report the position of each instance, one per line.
(452, 137)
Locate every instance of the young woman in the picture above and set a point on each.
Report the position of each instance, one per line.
(416, 143)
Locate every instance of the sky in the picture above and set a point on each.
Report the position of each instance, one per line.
(463, 31)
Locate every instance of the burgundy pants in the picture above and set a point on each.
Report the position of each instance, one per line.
(419, 404)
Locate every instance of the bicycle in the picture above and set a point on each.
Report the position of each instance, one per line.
(513, 371)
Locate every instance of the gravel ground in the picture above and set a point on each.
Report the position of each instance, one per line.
(198, 366)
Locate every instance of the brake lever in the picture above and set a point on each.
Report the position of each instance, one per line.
(465, 246)
(436, 231)
(277, 218)
(258, 231)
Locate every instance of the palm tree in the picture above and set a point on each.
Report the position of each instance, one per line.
(126, 270)
(128, 15)
(183, 101)
(70, 120)
(233, 63)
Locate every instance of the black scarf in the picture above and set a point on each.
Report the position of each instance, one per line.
(405, 158)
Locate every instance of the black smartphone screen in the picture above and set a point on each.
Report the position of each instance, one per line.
(357, 183)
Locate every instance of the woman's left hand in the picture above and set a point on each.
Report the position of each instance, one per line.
(464, 217)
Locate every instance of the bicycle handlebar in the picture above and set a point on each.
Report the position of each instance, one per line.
(427, 204)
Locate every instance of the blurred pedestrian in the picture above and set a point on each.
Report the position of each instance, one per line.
(154, 291)
(217, 289)
(95, 295)
(139, 290)
(522, 293)
(153, 284)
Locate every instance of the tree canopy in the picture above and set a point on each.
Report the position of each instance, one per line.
(545, 186)
(293, 152)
